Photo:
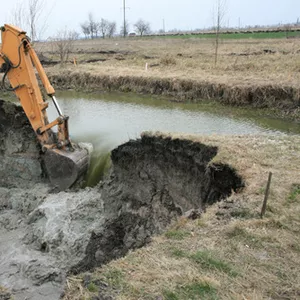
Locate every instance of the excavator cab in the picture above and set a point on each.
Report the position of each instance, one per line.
(65, 162)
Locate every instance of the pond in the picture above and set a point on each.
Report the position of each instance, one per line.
(109, 119)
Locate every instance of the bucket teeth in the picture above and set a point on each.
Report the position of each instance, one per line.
(64, 168)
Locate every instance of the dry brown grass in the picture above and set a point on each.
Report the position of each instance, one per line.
(246, 74)
(229, 253)
(195, 59)
(4, 293)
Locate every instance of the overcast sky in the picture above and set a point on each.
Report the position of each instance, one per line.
(184, 15)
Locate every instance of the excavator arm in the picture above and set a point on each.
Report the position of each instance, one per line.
(64, 161)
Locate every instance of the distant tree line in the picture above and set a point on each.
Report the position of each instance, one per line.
(105, 28)
(93, 29)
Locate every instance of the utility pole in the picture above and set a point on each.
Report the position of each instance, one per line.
(124, 16)
(124, 28)
(124, 25)
(164, 29)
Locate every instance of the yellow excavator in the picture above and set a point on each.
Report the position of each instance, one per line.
(64, 161)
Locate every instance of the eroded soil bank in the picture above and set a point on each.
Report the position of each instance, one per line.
(283, 101)
(45, 235)
(19, 151)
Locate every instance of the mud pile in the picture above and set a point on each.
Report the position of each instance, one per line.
(152, 181)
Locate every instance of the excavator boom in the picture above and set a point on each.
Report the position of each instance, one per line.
(64, 161)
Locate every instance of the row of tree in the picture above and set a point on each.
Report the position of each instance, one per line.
(27, 14)
(104, 28)
(92, 28)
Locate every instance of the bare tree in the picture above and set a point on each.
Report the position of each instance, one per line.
(63, 44)
(85, 29)
(93, 26)
(142, 27)
(112, 28)
(27, 15)
(218, 21)
(103, 27)
(18, 15)
(35, 9)
(124, 29)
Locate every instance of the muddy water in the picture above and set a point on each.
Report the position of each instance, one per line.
(110, 119)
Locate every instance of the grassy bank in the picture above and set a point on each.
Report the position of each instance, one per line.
(263, 73)
(283, 101)
(230, 252)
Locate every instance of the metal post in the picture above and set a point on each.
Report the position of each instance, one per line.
(56, 105)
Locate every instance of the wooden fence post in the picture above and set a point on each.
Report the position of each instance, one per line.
(263, 209)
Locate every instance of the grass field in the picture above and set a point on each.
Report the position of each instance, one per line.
(240, 62)
(256, 72)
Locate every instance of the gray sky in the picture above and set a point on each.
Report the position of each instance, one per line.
(185, 15)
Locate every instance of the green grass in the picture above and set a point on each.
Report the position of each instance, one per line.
(253, 240)
(206, 260)
(294, 195)
(115, 278)
(179, 253)
(176, 234)
(194, 291)
(92, 287)
(243, 213)
(237, 36)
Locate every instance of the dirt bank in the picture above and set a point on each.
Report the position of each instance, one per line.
(153, 180)
(282, 100)
(20, 163)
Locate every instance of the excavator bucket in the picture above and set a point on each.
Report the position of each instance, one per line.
(64, 168)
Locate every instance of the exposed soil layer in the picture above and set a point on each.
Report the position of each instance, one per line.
(152, 181)
(284, 98)
(20, 163)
